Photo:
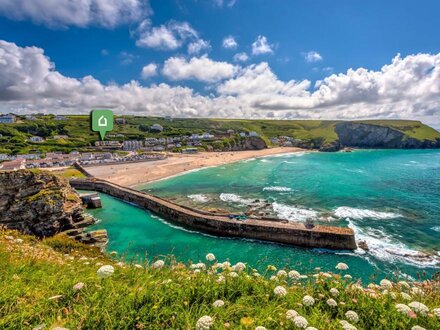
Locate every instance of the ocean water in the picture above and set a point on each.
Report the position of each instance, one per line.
(391, 198)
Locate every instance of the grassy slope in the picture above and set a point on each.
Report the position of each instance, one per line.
(174, 297)
(81, 137)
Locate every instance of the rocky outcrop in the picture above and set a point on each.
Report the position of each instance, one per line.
(42, 204)
(352, 134)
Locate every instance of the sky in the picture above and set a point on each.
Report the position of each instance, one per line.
(275, 59)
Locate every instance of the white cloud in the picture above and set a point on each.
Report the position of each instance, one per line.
(261, 46)
(312, 56)
(230, 42)
(127, 58)
(198, 46)
(62, 13)
(166, 37)
(197, 68)
(221, 3)
(407, 88)
(241, 57)
(149, 70)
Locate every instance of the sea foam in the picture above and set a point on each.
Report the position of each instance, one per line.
(277, 188)
(354, 213)
(293, 213)
(436, 228)
(233, 198)
(199, 198)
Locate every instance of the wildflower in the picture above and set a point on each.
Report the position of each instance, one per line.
(386, 284)
(113, 253)
(271, 268)
(280, 291)
(274, 278)
(347, 326)
(210, 257)
(158, 264)
(294, 274)
(417, 291)
(281, 273)
(218, 303)
(308, 301)
(403, 284)
(246, 321)
(239, 266)
(334, 292)
(260, 328)
(233, 274)
(347, 277)
(418, 307)
(78, 286)
(417, 327)
(326, 275)
(402, 308)
(204, 323)
(256, 274)
(137, 266)
(291, 314)
(220, 279)
(226, 265)
(341, 266)
(120, 264)
(105, 271)
(352, 316)
(332, 303)
(196, 271)
(405, 296)
(436, 312)
(300, 322)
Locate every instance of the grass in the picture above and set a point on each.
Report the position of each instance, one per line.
(38, 277)
(69, 173)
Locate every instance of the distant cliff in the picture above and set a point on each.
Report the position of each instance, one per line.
(42, 204)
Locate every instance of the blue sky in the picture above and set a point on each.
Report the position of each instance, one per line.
(301, 43)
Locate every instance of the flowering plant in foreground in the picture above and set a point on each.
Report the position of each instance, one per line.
(44, 280)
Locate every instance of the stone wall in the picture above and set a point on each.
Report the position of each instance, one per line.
(267, 230)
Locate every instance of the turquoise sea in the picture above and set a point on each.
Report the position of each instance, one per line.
(391, 198)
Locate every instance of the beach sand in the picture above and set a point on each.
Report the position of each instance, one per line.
(133, 174)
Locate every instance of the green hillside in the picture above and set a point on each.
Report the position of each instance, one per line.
(14, 137)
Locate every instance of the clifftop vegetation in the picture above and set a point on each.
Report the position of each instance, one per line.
(58, 282)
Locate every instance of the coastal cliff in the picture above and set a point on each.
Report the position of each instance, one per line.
(42, 204)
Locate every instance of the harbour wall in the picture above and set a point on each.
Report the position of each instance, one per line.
(282, 231)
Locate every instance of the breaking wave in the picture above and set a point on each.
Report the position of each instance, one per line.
(199, 198)
(233, 198)
(354, 213)
(293, 213)
(384, 248)
(436, 228)
(277, 188)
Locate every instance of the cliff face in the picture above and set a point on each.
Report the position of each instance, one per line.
(361, 135)
(41, 204)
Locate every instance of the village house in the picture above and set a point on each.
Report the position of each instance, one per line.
(13, 165)
(120, 121)
(36, 139)
(156, 128)
(7, 119)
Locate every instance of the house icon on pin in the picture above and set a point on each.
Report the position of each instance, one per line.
(102, 121)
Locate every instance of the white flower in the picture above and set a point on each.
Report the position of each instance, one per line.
(120, 264)
(402, 308)
(239, 266)
(405, 296)
(280, 291)
(233, 274)
(347, 277)
(274, 278)
(210, 257)
(294, 274)
(158, 264)
(418, 307)
(78, 286)
(385, 284)
(199, 265)
(417, 291)
(281, 273)
(308, 301)
(300, 322)
(341, 266)
(356, 287)
(332, 303)
(204, 323)
(352, 316)
(334, 292)
(436, 312)
(260, 328)
(291, 314)
(226, 265)
(138, 266)
(105, 271)
(417, 327)
(218, 303)
(347, 326)
(256, 274)
(220, 279)
(404, 284)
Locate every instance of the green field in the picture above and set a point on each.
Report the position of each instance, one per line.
(15, 136)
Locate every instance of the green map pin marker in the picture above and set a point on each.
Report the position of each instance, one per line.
(102, 122)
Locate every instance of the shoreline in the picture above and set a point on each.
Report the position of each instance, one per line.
(136, 174)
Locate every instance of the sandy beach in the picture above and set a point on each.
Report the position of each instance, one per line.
(133, 174)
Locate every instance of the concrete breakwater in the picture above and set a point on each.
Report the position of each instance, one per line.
(284, 232)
